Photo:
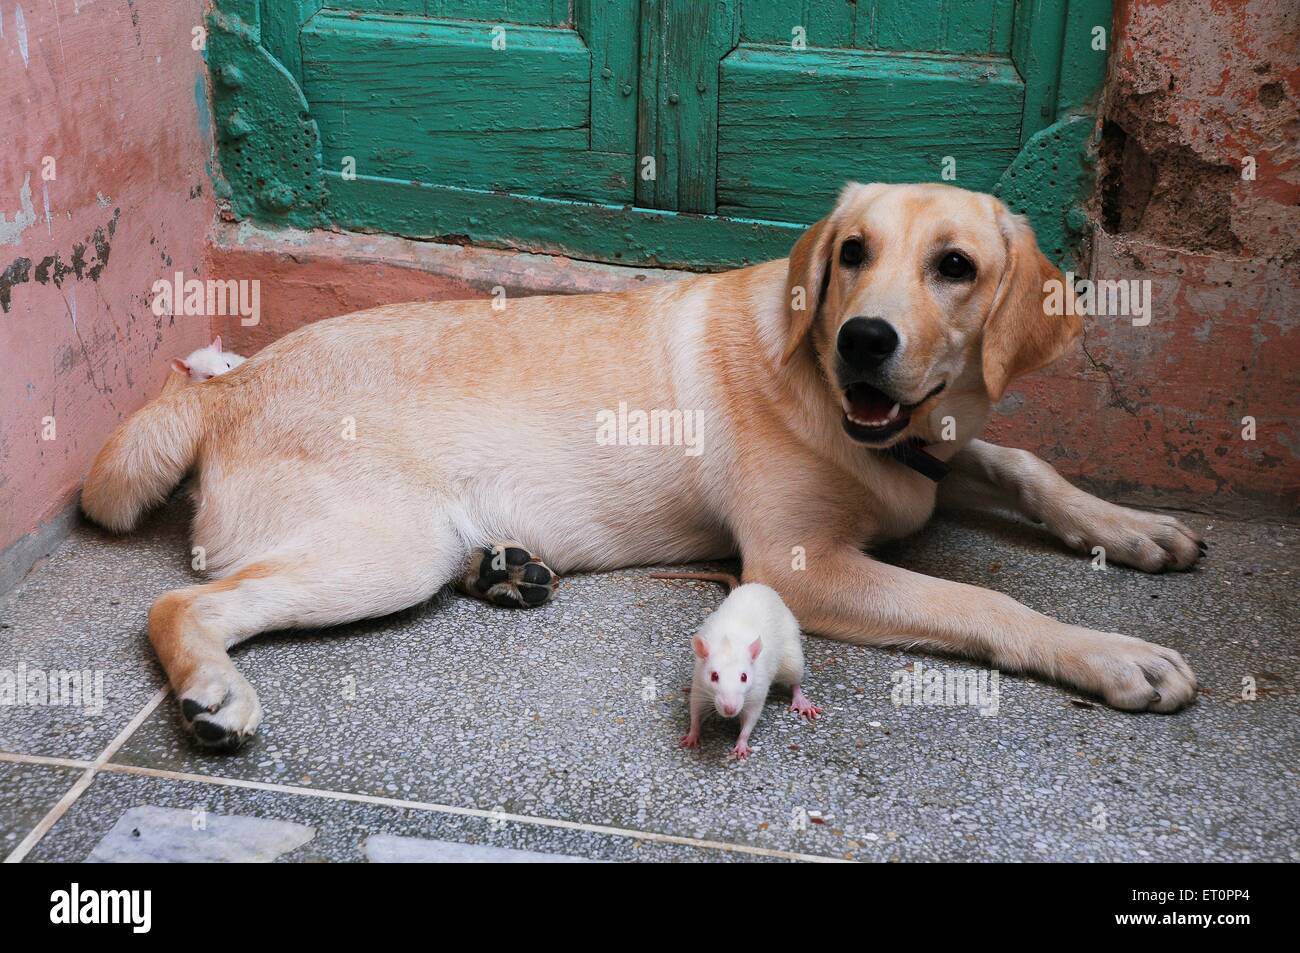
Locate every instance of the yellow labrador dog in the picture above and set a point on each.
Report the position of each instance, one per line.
(360, 464)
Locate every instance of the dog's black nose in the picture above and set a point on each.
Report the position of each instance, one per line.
(865, 343)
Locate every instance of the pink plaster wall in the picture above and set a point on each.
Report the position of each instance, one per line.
(112, 91)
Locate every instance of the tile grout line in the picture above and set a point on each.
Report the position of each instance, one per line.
(399, 803)
(79, 786)
(14, 757)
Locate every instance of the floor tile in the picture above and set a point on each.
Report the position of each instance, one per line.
(27, 792)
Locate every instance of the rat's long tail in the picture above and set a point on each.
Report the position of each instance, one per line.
(144, 458)
(726, 578)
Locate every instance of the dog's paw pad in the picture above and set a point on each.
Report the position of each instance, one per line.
(221, 711)
(509, 576)
(191, 709)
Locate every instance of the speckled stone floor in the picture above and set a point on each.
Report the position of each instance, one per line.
(553, 731)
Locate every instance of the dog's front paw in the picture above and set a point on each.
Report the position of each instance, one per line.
(1129, 673)
(507, 575)
(1152, 542)
(220, 708)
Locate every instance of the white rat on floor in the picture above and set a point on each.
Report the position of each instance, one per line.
(750, 641)
(208, 361)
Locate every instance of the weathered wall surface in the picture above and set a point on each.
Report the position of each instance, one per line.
(103, 190)
(1199, 91)
(307, 276)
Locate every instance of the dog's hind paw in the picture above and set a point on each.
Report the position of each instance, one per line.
(507, 575)
(221, 710)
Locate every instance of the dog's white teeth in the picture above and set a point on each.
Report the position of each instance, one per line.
(861, 422)
(894, 411)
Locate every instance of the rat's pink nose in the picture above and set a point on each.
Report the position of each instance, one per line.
(729, 710)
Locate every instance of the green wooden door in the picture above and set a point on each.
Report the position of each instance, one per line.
(703, 133)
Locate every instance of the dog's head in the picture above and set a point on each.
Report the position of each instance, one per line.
(917, 297)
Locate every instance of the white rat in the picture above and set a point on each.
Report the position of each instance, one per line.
(751, 641)
(208, 361)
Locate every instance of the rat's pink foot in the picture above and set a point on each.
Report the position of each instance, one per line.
(741, 750)
(690, 740)
(803, 706)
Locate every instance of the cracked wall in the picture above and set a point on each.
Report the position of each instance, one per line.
(1199, 93)
(103, 190)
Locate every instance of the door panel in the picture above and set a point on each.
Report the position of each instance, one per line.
(945, 26)
(538, 12)
(793, 127)
(883, 91)
(535, 12)
(433, 101)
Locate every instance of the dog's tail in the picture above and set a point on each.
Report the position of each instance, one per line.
(145, 458)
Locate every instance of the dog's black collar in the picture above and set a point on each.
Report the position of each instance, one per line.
(911, 453)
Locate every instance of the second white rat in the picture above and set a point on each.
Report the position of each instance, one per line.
(208, 361)
(749, 642)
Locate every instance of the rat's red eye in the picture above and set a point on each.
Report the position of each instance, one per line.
(713, 676)
(744, 676)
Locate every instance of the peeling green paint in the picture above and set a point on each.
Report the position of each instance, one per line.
(1048, 180)
(752, 138)
(201, 106)
(1053, 174)
(269, 144)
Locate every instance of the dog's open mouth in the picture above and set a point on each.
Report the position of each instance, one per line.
(872, 416)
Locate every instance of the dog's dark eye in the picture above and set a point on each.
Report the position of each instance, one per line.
(852, 253)
(956, 267)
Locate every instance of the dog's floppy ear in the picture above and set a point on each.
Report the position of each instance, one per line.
(809, 270)
(1020, 335)
(805, 282)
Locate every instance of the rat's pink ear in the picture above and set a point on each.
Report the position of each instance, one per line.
(216, 344)
(179, 365)
(701, 648)
(755, 647)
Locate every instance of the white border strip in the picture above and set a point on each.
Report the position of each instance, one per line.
(44, 760)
